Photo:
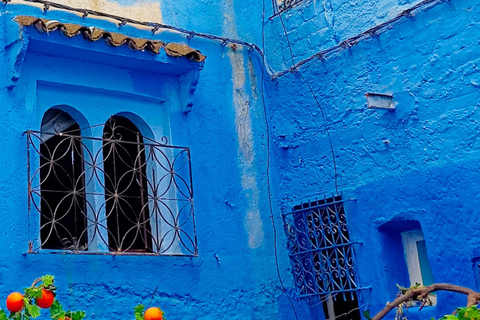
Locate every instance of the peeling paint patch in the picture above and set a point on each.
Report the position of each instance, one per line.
(253, 223)
(252, 220)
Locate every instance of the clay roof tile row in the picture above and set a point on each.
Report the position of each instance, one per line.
(111, 38)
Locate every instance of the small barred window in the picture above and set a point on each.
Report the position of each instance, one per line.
(322, 255)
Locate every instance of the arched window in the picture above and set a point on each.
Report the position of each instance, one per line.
(107, 188)
(126, 195)
(63, 221)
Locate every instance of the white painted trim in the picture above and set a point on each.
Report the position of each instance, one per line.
(409, 240)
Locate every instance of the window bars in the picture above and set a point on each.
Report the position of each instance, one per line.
(320, 249)
(119, 194)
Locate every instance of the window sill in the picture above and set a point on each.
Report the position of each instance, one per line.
(107, 253)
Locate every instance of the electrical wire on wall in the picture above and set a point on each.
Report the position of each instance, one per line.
(296, 71)
(410, 12)
(369, 33)
(272, 216)
(332, 150)
(155, 27)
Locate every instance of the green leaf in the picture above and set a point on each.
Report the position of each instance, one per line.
(56, 310)
(15, 315)
(33, 310)
(367, 315)
(138, 312)
(32, 293)
(77, 315)
(467, 313)
(48, 280)
(3, 315)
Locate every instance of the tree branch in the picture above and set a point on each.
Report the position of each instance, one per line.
(35, 282)
(473, 297)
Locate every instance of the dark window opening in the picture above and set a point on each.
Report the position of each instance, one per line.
(322, 256)
(63, 220)
(342, 308)
(126, 192)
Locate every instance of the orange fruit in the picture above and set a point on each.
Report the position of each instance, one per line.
(46, 300)
(15, 302)
(153, 314)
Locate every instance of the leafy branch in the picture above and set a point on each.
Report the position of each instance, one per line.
(465, 313)
(31, 309)
(421, 293)
(57, 312)
(28, 305)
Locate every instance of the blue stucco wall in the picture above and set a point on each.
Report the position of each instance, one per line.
(417, 164)
(235, 275)
(426, 174)
(317, 25)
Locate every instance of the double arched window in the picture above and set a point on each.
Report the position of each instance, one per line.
(122, 222)
(108, 188)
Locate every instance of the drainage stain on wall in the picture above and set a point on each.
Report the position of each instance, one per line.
(252, 221)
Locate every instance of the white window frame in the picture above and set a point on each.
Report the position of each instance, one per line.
(409, 240)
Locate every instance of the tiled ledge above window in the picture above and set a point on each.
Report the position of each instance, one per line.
(138, 51)
(111, 38)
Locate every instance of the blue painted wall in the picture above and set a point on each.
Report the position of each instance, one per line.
(320, 24)
(417, 164)
(427, 173)
(235, 275)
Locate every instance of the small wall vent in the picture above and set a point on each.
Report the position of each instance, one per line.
(380, 101)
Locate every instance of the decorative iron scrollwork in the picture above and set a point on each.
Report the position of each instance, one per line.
(320, 249)
(74, 197)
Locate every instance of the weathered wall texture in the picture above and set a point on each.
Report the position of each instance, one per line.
(428, 172)
(234, 276)
(417, 163)
(319, 24)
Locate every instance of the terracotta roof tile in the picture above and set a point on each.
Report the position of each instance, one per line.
(111, 38)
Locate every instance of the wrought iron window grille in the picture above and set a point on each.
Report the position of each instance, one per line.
(320, 249)
(280, 6)
(92, 209)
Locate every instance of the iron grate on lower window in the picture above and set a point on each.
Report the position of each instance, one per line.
(120, 193)
(320, 249)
